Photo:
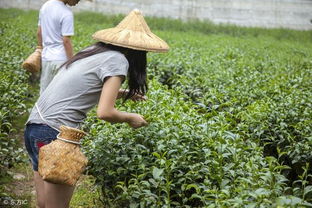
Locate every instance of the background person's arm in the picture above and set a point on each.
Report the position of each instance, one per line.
(39, 37)
(68, 46)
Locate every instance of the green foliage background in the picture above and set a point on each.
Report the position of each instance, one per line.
(15, 43)
(229, 111)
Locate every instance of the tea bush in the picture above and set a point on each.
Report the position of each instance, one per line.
(263, 87)
(179, 160)
(13, 84)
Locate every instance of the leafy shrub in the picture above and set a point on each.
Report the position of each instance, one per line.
(264, 97)
(179, 160)
(13, 89)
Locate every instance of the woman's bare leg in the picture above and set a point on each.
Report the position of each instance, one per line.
(57, 195)
(39, 186)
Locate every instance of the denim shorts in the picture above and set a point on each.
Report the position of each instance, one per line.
(36, 136)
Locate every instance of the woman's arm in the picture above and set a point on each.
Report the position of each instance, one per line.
(106, 109)
(137, 97)
(122, 93)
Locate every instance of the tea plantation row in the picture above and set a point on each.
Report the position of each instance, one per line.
(228, 109)
(245, 96)
(262, 86)
(15, 43)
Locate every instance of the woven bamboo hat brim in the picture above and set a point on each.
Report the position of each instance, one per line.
(132, 32)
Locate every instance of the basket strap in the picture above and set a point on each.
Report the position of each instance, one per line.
(44, 119)
(47, 121)
(66, 140)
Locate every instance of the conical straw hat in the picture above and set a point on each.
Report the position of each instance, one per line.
(132, 32)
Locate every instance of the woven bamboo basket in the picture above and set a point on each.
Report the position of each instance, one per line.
(62, 162)
(33, 62)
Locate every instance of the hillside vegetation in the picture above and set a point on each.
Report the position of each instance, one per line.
(229, 111)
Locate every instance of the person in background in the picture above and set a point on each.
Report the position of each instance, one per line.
(55, 28)
(91, 77)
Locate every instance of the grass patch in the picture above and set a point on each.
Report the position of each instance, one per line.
(86, 194)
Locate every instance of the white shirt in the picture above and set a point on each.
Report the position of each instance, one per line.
(56, 20)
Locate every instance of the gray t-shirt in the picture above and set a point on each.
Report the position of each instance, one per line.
(74, 91)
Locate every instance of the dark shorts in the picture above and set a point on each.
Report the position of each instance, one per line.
(35, 136)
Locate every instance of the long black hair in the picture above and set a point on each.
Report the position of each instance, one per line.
(137, 65)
